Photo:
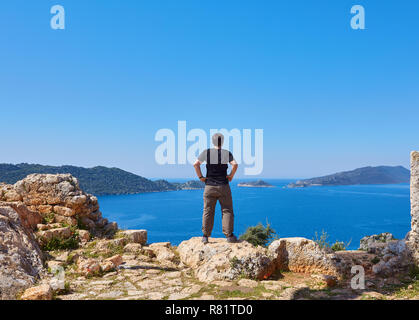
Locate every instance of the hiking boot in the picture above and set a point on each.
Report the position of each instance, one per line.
(232, 239)
(204, 240)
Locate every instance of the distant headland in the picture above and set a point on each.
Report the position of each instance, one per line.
(366, 175)
(255, 184)
(98, 180)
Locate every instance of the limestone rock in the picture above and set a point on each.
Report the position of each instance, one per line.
(160, 244)
(303, 255)
(43, 227)
(58, 233)
(64, 211)
(220, 260)
(116, 260)
(133, 248)
(88, 267)
(58, 197)
(104, 245)
(110, 229)
(330, 281)
(8, 193)
(136, 236)
(395, 258)
(248, 283)
(164, 254)
(370, 243)
(84, 235)
(20, 256)
(42, 292)
(413, 236)
(29, 219)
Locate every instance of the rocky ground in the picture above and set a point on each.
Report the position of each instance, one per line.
(142, 276)
(55, 244)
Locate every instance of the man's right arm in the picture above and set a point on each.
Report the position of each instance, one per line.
(197, 166)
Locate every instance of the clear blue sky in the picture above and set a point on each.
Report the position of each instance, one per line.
(329, 98)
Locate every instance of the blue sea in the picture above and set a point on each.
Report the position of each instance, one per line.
(346, 213)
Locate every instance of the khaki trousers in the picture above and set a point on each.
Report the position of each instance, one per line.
(211, 195)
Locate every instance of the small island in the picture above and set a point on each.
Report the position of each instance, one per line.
(255, 184)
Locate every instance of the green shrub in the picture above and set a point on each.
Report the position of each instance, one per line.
(414, 272)
(322, 241)
(61, 244)
(375, 260)
(340, 245)
(81, 225)
(48, 218)
(259, 235)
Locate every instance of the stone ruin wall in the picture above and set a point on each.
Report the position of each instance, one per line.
(413, 239)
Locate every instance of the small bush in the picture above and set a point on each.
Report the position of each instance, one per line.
(375, 260)
(48, 218)
(81, 225)
(61, 244)
(259, 235)
(322, 241)
(414, 272)
(340, 245)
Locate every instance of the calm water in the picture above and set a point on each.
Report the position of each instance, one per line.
(344, 212)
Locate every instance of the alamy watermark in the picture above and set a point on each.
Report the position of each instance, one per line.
(58, 280)
(358, 20)
(246, 150)
(58, 19)
(358, 280)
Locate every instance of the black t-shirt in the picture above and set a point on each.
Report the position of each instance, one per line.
(217, 164)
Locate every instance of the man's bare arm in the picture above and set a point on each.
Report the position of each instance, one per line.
(197, 166)
(233, 170)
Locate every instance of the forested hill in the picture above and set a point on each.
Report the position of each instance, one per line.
(366, 175)
(98, 180)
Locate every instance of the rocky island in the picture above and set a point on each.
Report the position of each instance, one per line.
(255, 184)
(55, 244)
(366, 175)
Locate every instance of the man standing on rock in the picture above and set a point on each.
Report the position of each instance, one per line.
(217, 187)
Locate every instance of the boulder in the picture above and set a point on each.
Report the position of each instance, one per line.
(88, 267)
(163, 254)
(29, 219)
(115, 260)
(395, 258)
(58, 197)
(303, 255)
(220, 260)
(58, 233)
(104, 245)
(8, 193)
(43, 227)
(42, 292)
(84, 235)
(20, 256)
(110, 229)
(136, 236)
(371, 243)
(329, 281)
(160, 244)
(64, 211)
(133, 248)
